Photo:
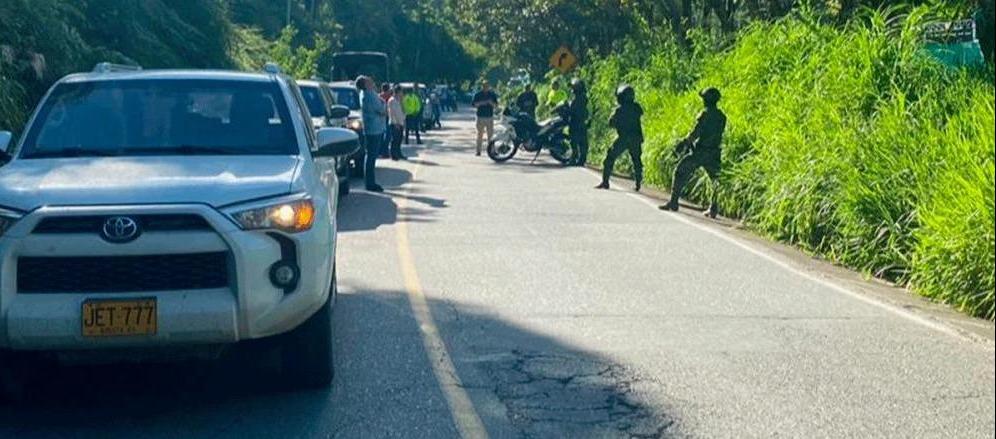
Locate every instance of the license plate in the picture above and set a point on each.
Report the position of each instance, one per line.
(116, 318)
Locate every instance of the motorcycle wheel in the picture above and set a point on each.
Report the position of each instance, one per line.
(562, 152)
(501, 151)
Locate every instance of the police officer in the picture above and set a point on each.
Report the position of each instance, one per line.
(629, 136)
(704, 143)
(579, 122)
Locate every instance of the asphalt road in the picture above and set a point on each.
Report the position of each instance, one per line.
(516, 301)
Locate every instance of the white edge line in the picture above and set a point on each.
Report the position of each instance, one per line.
(908, 315)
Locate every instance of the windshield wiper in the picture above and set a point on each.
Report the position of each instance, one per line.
(42, 153)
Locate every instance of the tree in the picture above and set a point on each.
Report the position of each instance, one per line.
(299, 61)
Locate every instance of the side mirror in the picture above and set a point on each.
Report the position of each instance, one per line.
(339, 112)
(336, 142)
(5, 138)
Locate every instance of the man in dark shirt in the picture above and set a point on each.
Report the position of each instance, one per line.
(705, 142)
(528, 101)
(579, 122)
(629, 136)
(485, 101)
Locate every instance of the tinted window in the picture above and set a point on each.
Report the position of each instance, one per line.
(313, 98)
(348, 97)
(162, 117)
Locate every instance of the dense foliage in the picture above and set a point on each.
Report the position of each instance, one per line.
(42, 40)
(845, 140)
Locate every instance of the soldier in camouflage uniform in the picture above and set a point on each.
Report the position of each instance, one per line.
(579, 123)
(704, 143)
(629, 136)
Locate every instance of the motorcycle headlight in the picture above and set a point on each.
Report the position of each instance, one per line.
(355, 125)
(291, 217)
(7, 219)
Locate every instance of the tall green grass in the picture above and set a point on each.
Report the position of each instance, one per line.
(847, 141)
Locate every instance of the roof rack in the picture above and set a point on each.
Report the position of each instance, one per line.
(272, 68)
(106, 67)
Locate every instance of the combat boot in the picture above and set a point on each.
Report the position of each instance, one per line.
(711, 212)
(671, 206)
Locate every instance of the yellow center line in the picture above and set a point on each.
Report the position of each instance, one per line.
(465, 417)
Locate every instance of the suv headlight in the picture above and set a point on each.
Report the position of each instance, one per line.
(7, 219)
(291, 217)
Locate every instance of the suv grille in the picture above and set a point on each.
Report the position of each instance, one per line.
(119, 274)
(148, 223)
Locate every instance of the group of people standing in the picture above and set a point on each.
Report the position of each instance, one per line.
(699, 149)
(391, 117)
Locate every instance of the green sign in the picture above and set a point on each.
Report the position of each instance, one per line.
(954, 43)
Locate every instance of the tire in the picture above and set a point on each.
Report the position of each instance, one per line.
(562, 152)
(14, 378)
(306, 352)
(502, 150)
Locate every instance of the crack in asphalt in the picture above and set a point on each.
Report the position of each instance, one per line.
(549, 395)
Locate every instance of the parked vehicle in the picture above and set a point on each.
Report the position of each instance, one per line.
(325, 113)
(179, 212)
(518, 130)
(346, 94)
(346, 66)
(6, 138)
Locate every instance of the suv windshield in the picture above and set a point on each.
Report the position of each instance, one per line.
(313, 98)
(162, 117)
(348, 97)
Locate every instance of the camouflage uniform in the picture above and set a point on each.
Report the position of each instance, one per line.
(579, 125)
(706, 140)
(629, 137)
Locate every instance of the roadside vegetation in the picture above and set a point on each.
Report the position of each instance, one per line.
(43, 40)
(845, 140)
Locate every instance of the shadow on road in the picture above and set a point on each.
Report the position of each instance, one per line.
(363, 210)
(384, 387)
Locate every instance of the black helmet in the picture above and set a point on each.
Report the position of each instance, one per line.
(711, 96)
(625, 94)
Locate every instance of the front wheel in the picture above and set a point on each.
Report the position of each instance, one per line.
(502, 150)
(306, 353)
(562, 151)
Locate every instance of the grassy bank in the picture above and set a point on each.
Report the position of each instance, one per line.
(844, 140)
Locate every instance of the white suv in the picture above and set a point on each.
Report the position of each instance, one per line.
(179, 212)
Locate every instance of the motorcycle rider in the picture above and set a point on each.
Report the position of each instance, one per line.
(629, 136)
(704, 141)
(579, 122)
(528, 101)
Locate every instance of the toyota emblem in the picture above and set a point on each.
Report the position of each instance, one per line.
(120, 229)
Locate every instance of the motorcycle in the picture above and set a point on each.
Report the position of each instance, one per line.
(519, 130)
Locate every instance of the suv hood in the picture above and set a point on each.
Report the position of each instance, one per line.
(212, 180)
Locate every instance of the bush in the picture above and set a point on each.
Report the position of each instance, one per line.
(845, 140)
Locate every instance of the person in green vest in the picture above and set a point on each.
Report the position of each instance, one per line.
(556, 96)
(412, 105)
